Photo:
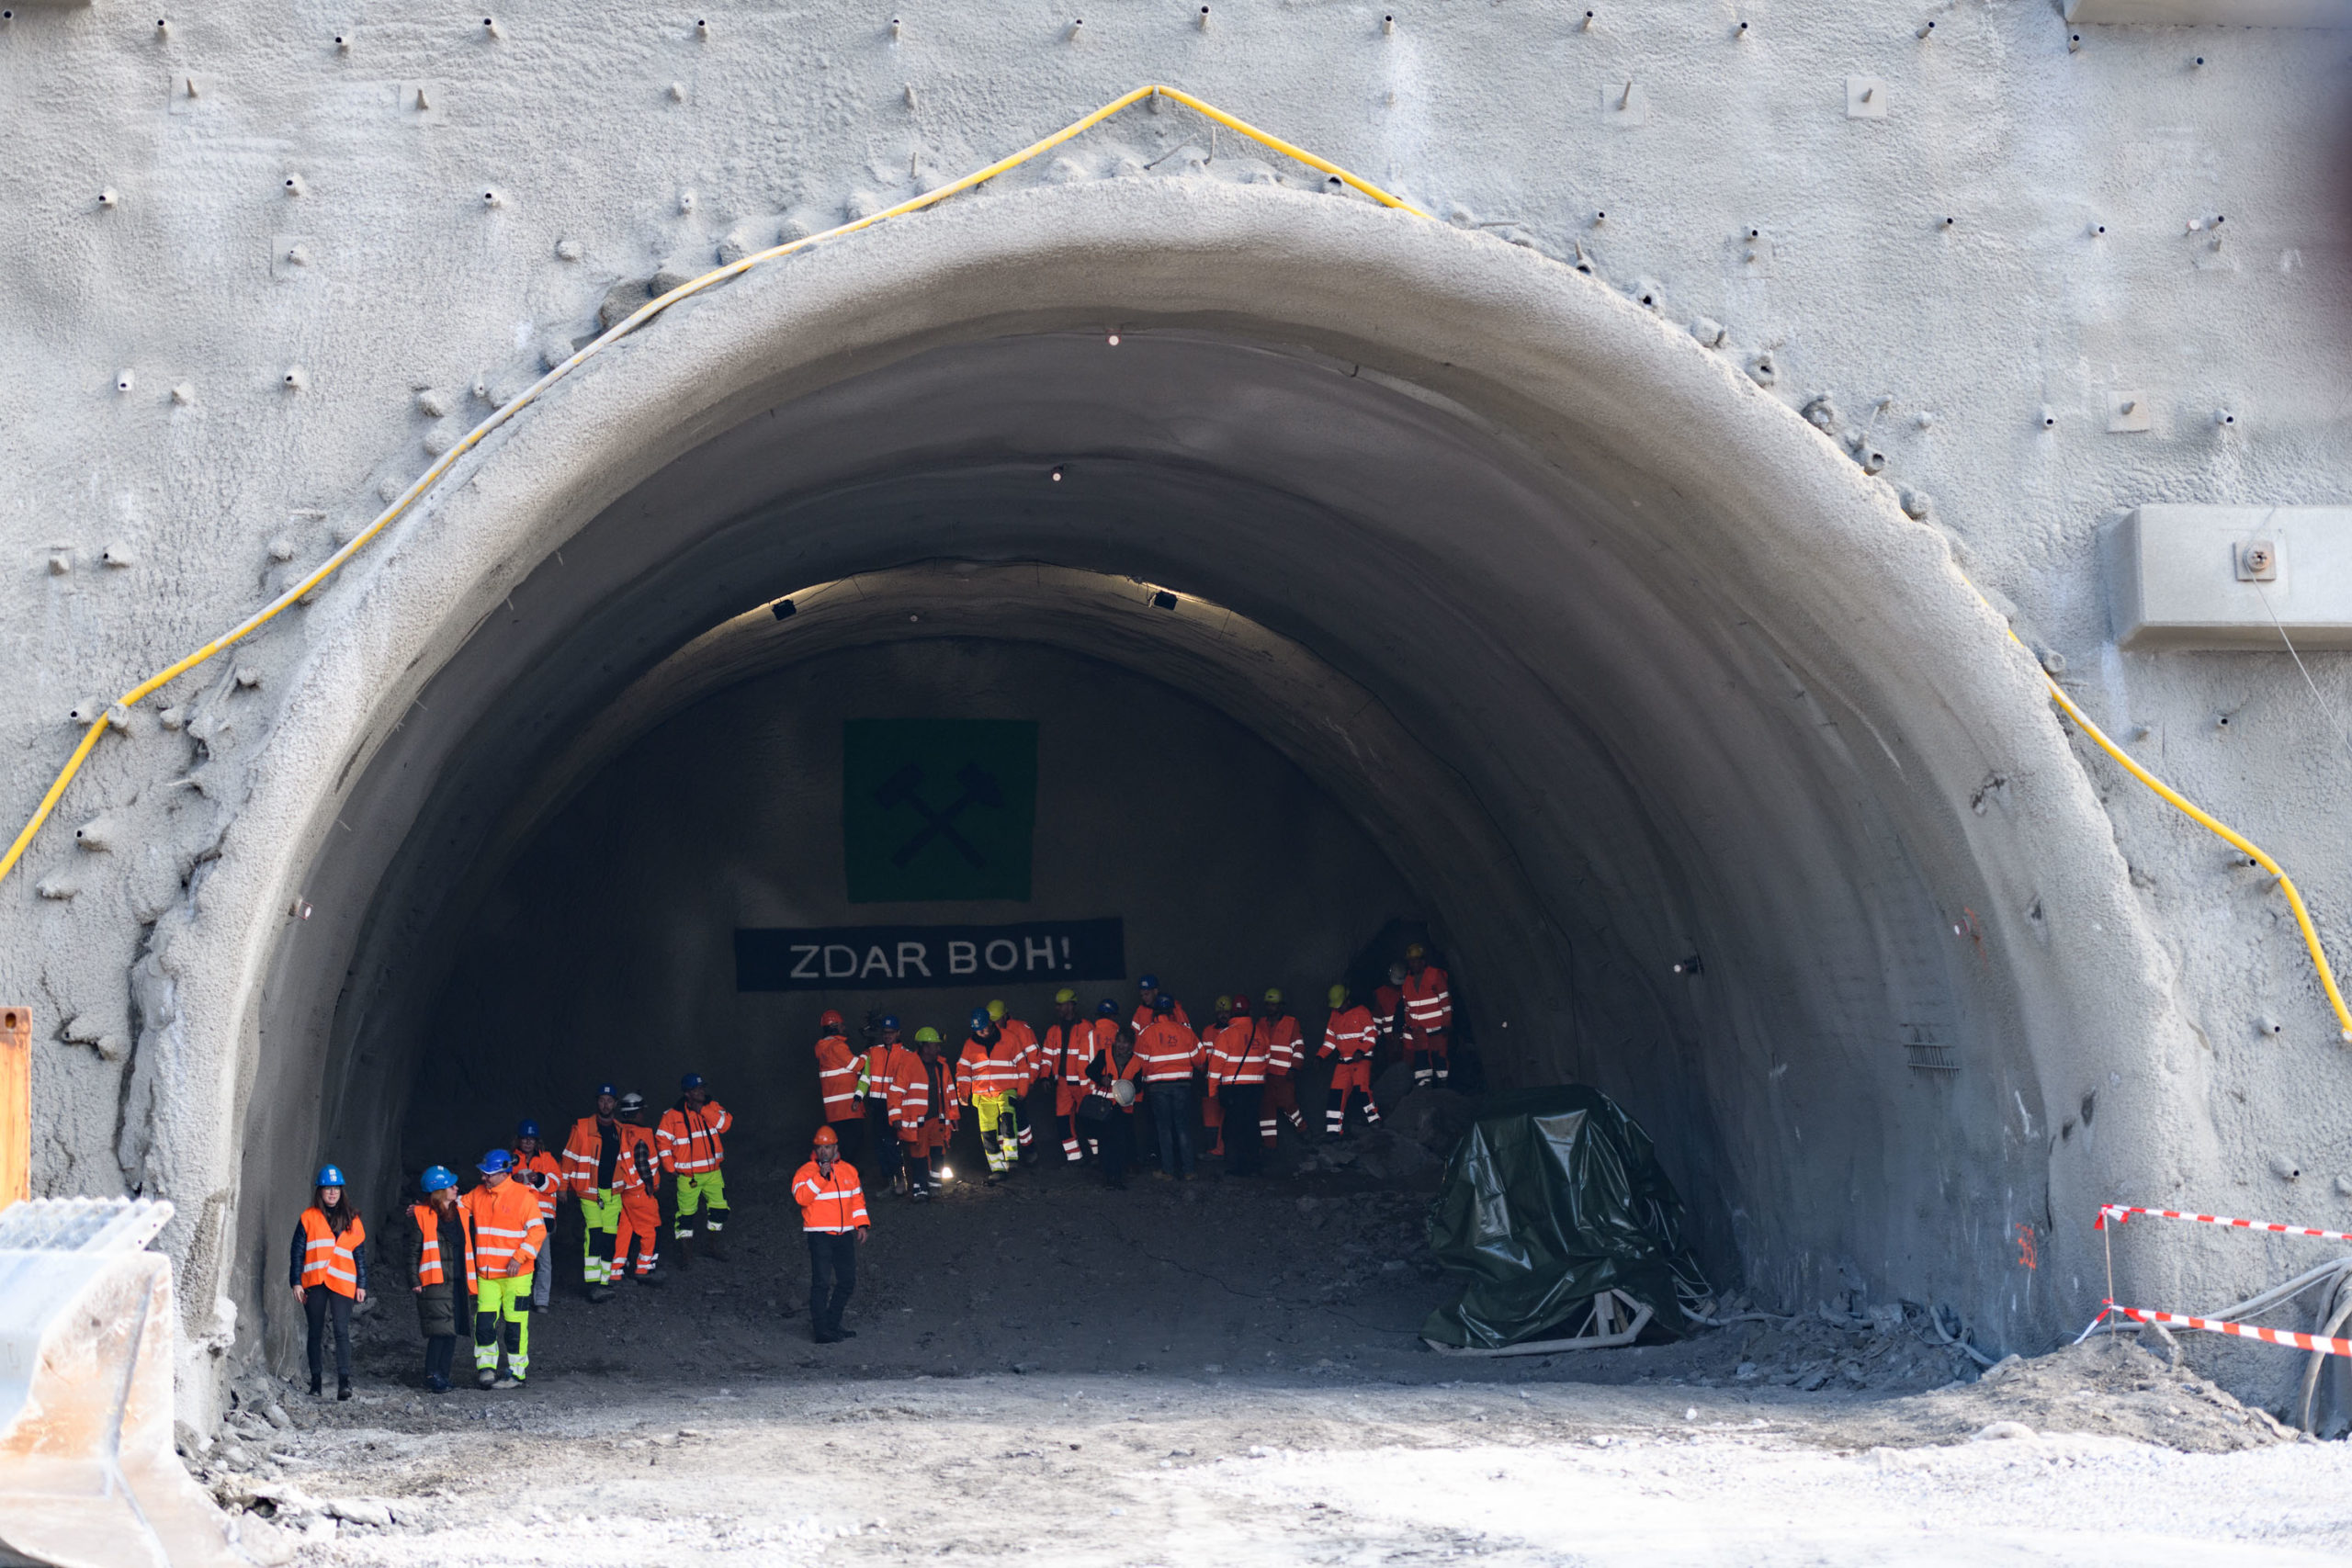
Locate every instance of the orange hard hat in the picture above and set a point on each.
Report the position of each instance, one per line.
(826, 1138)
(829, 1017)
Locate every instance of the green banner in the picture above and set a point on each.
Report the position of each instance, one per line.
(938, 809)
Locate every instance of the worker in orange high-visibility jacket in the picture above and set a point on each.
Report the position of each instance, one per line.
(1147, 1005)
(694, 1150)
(840, 1066)
(636, 1182)
(1212, 1112)
(1068, 1047)
(1351, 1035)
(924, 1109)
(888, 1061)
(329, 1273)
(1113, 1081)
(508, 1238)
(832, 1218)
(543, 1173)
(441, 1272)
(1388, 1009)
(1238, 1082)
(1033, 1068)
(1170, 1053)
(591, 1157)
(1429, 1016)
(1277, 1035)
(991, 1073)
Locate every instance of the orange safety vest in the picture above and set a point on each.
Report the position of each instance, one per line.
(1144, 1016)
(327, 1257)
(1238, 1057)
(1285, 1049)
(1428, 1004)
(1167, 1050)
(1388, 1008)
(1105, 1067)
(431, 1267)
(1000, 1068)
(582, 1152)
(834, 1203)
(911, 1102)
(836, 1078)
(507, 1228)
(625, 1175)
(1031, 1056)
(543, 1174)
(1351, 1033)
(1068, 1049)
(884, 1066)
(689, 1137)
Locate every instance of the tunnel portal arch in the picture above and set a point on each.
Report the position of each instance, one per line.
(1691, 677)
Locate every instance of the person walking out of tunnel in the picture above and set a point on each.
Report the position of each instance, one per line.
(329, 1273)
(990, 1077)
(508, 1238)
(1033, 1072)
(543, 1173)
(636, 1182)
(1064, 1056)
(1112, 1088)
(886, 1061)
(591, 1167)
(1238, 1077)
(694, 1150)
(1388, 1011)
(441, 1263)
(1213, 1109)
(839, 1069)
(1429, 1016)
(1278, 1039)
(833, 1216)
(1351, 1035)
(1170, 1053)
(924, 1109)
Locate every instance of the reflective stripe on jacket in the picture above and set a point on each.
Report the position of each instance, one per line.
(1350, 1034)
(835, 1202)
(543, 1174)
(508, 1232)
(1167, 1050)
(1025, 1040)
(1284, 1050)
(689, 1137)
(837, 1069)
(1000, 1068)
(1238, 1056)
(886, 1067)
(432, 1267)
(582, 1154)
(1428, 1003)
(330, 1259)
(927, 1093)
(627, 1177)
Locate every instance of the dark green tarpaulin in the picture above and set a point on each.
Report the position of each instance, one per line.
(1553, 1196)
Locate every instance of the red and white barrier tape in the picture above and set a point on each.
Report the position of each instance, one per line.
(2120, 1213)
(2286, 1336)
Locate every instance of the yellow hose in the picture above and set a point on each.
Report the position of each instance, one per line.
(647, 312)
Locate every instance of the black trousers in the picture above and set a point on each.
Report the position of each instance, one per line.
(1116, 1145)
(832, 1275)
(882, 1142)
(1243, 1153)
(318, 1303)
(850, 1131)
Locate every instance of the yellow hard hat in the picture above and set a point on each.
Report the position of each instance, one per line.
(1338, 995)
(1064, 994)
(926, 1035)
(996, 1012)
(1274, 995)
(1225, 1004)
(1416, 950)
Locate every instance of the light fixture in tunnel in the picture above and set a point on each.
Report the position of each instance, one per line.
(1056, 476)
(1114, 337)
(1686, 967)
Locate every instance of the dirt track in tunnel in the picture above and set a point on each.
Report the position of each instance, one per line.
(1227, 1370)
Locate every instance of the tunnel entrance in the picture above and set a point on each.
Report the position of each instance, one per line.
(1680, 746)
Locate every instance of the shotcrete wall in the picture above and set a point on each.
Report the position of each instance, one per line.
(256, 279)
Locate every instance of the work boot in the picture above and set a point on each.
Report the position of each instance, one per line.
(315, 1388)
(484, 1377)
(343, 1388)
(712, 1250)
(654, 1277)
(509, 1381)
(684, 1249)
(599, 1293)
(437, 1384)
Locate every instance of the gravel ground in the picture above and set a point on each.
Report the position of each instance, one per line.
(1227, 1371)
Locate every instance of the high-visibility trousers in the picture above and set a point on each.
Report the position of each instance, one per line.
(1213, 1119)
(999, 1130)
(1281, 1099)
(502, 1321)
(704, 1194)
(640, 1223)
(1066, 1100)
(1427, 1053)
(600, 1218)
(1348, 1078)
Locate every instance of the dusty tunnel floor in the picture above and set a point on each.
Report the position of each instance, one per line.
(1223, 1372)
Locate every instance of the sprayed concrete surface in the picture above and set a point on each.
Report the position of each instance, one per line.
(1645, 530)
(1225, 1373)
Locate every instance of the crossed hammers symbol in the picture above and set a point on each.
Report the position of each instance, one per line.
(901, 789)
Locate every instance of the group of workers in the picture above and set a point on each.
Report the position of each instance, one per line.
(476, 1261)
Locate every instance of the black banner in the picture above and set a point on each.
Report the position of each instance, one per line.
(892, 958)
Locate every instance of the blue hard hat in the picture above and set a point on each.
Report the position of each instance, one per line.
(328, 1176)
(889, 1020)
(690, 1082)
(1107, 1007)
(605, 1090)
(522, 1130)
(1147, 983)
(494, 1162)
(981, 1020)
(439, 1178)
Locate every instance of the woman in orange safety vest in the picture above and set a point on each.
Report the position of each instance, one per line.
(441, 1272)
(329, 1273)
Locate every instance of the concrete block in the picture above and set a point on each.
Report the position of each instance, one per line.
(2193, 577)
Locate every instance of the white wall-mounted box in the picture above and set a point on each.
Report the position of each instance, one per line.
(2194, 577)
